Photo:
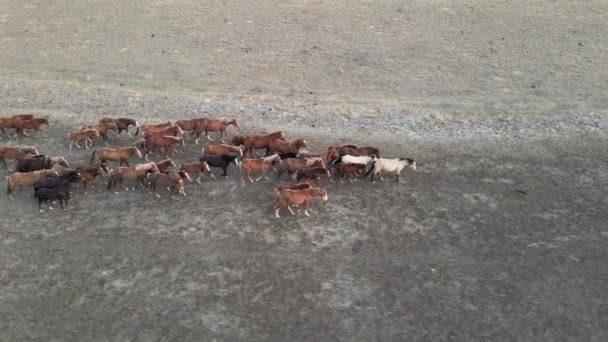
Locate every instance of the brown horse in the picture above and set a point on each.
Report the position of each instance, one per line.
(210, 125)
(257, 165)
(312, 174)
(262, 141)
(286, 198)
(351, 170)
(292, 165)
(121, 155)
(90, 172)
(39, 162)
(83, 136)
(219, 150)
(239, 140)
(196, 169)
(35, 123)
(328, 156)
(280, 146)
(19, 179)
(131, 173)
(164, 165)
(300, 186)
(173, 181)
(175, 131)
(161, 142)
(14, 120)
(190, 125)
(102, 129)
(12, 152)
(121, 123)
(153, 127)
(359, 152)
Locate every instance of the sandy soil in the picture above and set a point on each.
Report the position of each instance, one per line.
(501, 234)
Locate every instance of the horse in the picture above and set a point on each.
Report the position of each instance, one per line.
(190, 125)
(173, 181)
(348, 159)
(121, 154)
(39, 162)
(328, 156)
(258, 165)
(211, 125)
(285, 147)
(83, 136)
(175, 131)
(19, 179)
(164, 142)
(218, 150)
(286, 198)
(343, 146)
(291, 165)
(164, 165)
(12, 152)
(300, 186)
(131, 173)
(359, 152)
(312, 174)
(350, 170)
(10, 122)
(239, 140)
(394, 166)
(102, 129)
(220, 161)
(62, 194)
(196, 168)
(121, 123)
(62, 180)
(34, 123)
(262, 141)
(153, 127)
(90, 172)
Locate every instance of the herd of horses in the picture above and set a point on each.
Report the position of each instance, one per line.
(32, 169)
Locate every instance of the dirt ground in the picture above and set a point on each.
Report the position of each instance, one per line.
(500, 235)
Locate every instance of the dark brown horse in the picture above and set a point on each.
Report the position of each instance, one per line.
(359, 152)
(262, 141)
(90, 172)
(312, 175)
(39, 162)
(12, 152)
(121, 123)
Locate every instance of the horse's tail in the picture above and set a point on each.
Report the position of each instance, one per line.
(93, 155)
(371, 169)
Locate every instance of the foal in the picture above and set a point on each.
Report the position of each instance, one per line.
(258, 165)
(196, 169)
(85, 136)
(286, 198)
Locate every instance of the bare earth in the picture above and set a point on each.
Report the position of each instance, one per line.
(500, 236)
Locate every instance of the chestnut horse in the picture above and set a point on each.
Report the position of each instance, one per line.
(285, 147)
(35, 123)
(164, 165)
(210, 125)
(286, 198)
(19, 179)
(196, 169)
(102, 129)
(190, 125)
(350, 170)
(83, 136)
(153, 127)
(131, 173)
(239, 140)
(262, 141)
(121, 123)
(121, 155)
(12, 152)
(163, 142)
(359, 152)
(175, 131)
(13, 120)
(258, 165)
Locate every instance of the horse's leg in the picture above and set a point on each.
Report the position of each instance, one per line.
(225, 168)
(198, 179)
(397, 178)
(372, 179)
(291, 210)
(222, 136)
(207, 135)
(71, 143)
(126, 162)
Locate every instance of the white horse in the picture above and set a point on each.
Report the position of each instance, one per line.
(393, 166)
(348, 159)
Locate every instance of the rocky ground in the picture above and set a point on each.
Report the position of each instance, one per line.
(500, 235)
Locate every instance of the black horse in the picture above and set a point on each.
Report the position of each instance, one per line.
(62, 181)
(39, 162)
(222, 161)
(61, 193)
